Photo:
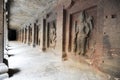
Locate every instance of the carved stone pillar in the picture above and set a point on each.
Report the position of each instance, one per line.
(26, 34)
(27, 37)
(44, 45)
(23, 35)
(30, 34)
(41, 33)
(33, 35)
(1, 32)
(37, 34)
(60, 45)
(3, 67)
(46, 35)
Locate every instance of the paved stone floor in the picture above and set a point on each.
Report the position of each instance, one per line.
(27, 63)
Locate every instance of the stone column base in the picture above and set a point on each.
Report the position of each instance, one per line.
(64, 56)
(43, 49)
(3, 71)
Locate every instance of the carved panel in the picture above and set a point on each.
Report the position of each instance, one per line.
(82, 29)
(51, 29)
(52, 34)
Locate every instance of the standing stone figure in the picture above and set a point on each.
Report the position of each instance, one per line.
(53, 35)
(83, 29)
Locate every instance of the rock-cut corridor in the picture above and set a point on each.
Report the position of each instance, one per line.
(28, 63)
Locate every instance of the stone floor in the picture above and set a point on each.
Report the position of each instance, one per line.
(27, 63)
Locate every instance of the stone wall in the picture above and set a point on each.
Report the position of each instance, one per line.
(111, 38)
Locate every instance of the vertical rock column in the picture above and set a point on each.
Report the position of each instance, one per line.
(24, 36)
(44, 34)
(59, 32)
(27, 35)
(3, 67)
(41, 34)
(33, 35)
(21, 35)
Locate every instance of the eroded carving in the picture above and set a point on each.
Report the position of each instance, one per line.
(83, 28)
(52, 37)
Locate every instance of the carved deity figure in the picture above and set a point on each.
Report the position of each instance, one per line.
(83, 29)
(52, 35)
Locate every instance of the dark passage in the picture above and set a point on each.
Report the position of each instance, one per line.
(12, 34)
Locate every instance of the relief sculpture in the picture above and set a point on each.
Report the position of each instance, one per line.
(83, 28)
(52, 37)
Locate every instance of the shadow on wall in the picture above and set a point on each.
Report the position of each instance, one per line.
(12, 35)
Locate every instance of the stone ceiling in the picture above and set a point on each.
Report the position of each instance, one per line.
(23, 11)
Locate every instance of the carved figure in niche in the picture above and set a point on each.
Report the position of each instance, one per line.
(52, 35)
(83, 29)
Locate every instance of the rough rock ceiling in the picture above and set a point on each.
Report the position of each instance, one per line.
(23, 11)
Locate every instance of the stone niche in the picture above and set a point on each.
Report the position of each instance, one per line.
(81, 25)
(50, 32)
(82, 32)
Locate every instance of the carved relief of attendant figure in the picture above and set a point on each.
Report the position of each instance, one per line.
(83, 30)
(53, 35)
